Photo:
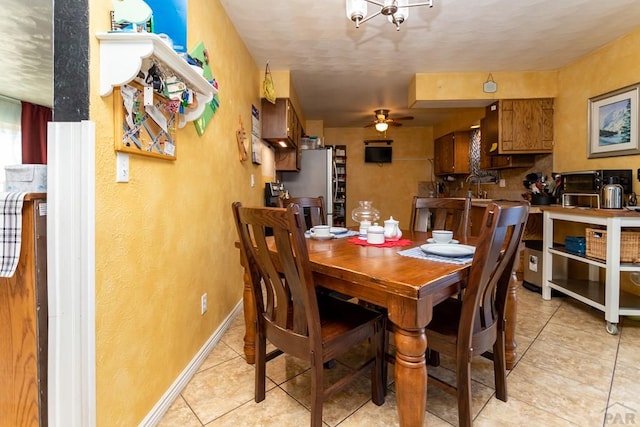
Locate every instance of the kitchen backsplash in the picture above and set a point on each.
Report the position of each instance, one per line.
(513, 178)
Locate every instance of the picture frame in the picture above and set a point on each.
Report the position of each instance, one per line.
(148, 130)
(613, 123)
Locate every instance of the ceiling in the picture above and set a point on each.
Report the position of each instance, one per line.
(26, 51)
(342, 74)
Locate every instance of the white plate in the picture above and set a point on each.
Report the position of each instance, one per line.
(448, 249)
(453, 241)
(338, 230)
(313, 236)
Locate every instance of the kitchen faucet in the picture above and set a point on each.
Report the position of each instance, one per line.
(477, 177)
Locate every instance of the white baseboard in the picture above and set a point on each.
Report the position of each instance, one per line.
(167, 399)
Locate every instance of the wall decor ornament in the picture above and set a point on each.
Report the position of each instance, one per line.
(613, 123)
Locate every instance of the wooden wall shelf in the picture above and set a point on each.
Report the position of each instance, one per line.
(122, 55)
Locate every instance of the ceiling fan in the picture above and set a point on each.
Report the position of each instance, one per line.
(383, 121)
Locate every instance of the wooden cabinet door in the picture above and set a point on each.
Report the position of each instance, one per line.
(444, 154)
(461, 156)
(274, 119)
(526, 126)
(451, 153)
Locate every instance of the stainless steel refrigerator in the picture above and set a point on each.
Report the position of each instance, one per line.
(317, 177)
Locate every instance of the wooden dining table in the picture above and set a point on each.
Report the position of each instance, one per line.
(408, 288)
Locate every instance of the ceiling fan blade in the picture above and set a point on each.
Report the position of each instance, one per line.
(392, 123)
(369, 125)
(403, 118)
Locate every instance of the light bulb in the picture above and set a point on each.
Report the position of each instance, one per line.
(382, 126)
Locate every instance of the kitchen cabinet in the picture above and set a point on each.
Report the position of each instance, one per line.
(515, 129)
(281, 125)
(451, 153)
(23, 324)
(601, 289)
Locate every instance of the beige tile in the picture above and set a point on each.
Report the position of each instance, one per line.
(285, 367)
(234, 338)
(481, 370)
(625, 390)
(517, 413)
(220, 353)
(558, 395)
(445, 405)
(221, 388)
(386, 415)
(576, 315)
(278, 409)
(596, 341)
(530, 319)
(179, 414)
(342, 404)
(547, 356)
(629, 350)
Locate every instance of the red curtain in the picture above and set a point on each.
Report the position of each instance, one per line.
(34, 133)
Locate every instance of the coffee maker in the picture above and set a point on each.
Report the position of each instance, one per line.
(272, 192)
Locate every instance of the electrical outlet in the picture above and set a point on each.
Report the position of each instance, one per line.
(203, 303)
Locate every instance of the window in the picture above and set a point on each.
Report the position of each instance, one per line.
(10, 135)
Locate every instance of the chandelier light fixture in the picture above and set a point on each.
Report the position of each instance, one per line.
(396, 11)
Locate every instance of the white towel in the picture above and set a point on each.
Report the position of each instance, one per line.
(10, 232)
(419, 253)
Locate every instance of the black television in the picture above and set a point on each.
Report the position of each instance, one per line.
(378, 154)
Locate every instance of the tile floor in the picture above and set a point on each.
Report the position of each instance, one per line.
(569, 372)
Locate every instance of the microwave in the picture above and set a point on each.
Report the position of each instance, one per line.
(591, 182)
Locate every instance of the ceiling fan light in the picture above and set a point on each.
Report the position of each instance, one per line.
(356, 10)
(382, 126)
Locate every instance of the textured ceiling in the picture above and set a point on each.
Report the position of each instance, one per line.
(340, 73)
(26, 51)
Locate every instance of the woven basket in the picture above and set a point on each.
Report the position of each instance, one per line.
(629, 245)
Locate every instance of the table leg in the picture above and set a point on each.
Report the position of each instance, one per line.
(510, 327)
(249, 320)
(411, 376)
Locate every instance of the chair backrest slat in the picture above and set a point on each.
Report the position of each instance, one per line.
(288, 301)
(311, 207)
(446, 214)
(487, 285)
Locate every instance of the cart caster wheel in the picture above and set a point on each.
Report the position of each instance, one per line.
(612, 328)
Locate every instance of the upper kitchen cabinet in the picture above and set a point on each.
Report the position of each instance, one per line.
(282, 128)
(280, 123)
(516, 127)
(451, 153)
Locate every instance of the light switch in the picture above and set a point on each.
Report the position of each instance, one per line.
(122, 167)
(253, 180)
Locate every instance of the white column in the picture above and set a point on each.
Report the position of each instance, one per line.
(71, 273)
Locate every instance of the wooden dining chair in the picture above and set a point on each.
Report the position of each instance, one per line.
(446, 214)
(292, 316)
(475, 324)
(312, 208)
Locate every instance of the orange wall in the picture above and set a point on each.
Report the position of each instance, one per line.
(391, 186)
(167, 236)
(612, 67)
